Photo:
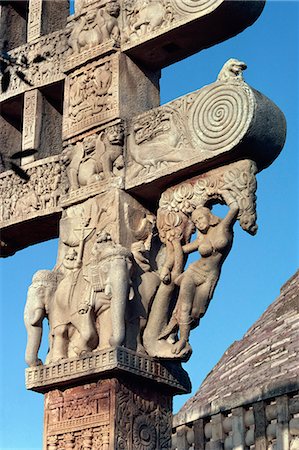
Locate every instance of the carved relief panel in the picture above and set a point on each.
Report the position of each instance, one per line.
(108, 414)
(45, 63)
(144, 18)
(80, 417)
(91, 96)
(185, 294)
(22, 199)
(34, 20)
(144, 418)
(90, 298)
(32, 118)
(94, 162)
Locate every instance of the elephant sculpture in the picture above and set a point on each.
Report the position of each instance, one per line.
(37, 308)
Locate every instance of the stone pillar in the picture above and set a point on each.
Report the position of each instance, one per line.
(182, 442)
(260, 426)
(114, 399)
(238, 429)
(217, 432)
(283, 418)
(199, 436)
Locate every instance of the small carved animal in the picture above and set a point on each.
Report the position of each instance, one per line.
(151, 14)
(232, 69)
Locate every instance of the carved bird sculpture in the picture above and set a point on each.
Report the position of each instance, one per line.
(232, 69)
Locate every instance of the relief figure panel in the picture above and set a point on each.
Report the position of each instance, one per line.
(91, 96)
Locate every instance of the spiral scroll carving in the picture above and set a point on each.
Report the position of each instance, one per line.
(221, 116)
(194, 6)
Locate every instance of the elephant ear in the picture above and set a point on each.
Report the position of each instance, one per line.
(100, 145)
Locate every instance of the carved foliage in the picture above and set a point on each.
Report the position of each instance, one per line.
(234, 182)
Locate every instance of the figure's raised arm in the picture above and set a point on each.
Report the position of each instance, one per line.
(231, 217)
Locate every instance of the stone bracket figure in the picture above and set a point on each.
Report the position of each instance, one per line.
(185, 296)
(198, 282)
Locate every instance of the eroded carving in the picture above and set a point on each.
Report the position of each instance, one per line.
(142, 418)
(38, 306)
(79, 417)
(145, 17)
(20, 199)
(45, 63)
(192, 128)
(110, 272)
(232, 70)
(97, 157)
(34, 20)
(110, 294)
(90, 306)
(94, 27)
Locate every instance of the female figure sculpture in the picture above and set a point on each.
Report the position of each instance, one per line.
(198, 282)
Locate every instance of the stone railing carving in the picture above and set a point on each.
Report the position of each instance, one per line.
(271, 422)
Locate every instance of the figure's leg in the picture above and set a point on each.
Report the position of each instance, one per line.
(60, 343)
(34, 337)
(201, 301)
(185, 303)
(87, 338)
(33, 318)
(119, 280)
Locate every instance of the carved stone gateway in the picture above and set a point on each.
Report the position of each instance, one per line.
(125, 183)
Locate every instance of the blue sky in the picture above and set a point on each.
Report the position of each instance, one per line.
(256, 267)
